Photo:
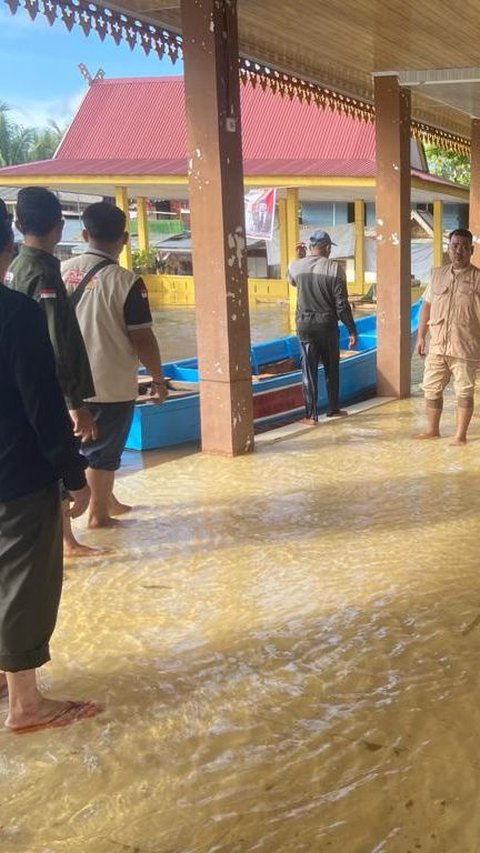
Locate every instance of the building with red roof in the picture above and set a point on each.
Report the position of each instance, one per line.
(129, 140)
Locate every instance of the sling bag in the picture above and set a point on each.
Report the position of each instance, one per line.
(80, 289)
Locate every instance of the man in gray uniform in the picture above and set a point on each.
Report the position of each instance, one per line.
(322, 300)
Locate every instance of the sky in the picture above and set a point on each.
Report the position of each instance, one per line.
(39, 74)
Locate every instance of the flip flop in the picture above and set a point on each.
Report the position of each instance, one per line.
(72, 713)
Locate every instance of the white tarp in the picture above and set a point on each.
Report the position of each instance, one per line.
(422, 258)
(342, 235)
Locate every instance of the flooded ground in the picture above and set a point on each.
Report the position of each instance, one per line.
(175, 328)
(287, 647)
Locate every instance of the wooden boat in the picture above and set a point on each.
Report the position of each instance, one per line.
(277, 387)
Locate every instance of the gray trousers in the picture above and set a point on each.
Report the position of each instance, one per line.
(31, 572)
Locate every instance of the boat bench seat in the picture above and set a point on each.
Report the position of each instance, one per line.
(279, 350)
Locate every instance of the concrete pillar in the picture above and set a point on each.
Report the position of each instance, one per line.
(121, 200)
(292, 240)
(359, 206)
(210, 48)
(392, 124)
(474, 214)
(142, 224)
(437, 233)
(282, 228)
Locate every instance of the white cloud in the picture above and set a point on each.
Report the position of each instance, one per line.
(37, 112)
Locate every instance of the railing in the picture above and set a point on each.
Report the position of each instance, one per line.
(180, 290)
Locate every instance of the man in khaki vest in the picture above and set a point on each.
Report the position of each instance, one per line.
(451, 312)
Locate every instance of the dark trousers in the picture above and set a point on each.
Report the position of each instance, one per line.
(320, 345)
(31, 568)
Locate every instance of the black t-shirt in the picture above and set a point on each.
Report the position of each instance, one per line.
(37, 445)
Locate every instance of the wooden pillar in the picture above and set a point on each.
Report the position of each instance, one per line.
(212, 91)
(292, 240)
(121, 200)
(437, 233)
(142, 224)
(474, 213)
(392, 123)
(359, 206)
(282, 229)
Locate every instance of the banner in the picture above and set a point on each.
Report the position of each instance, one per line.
(260, 214)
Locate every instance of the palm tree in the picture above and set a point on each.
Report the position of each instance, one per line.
(20, 144)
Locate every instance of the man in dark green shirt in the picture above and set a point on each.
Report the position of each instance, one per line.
(37, 448)
(36, 273)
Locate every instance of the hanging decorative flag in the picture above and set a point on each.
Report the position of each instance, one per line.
(260, 213)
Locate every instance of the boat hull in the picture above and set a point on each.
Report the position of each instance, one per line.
(276, 399)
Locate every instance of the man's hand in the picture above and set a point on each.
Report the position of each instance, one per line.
(421, 346)
(352, 340)
(83, 425)
(158, 392)
(79, 500)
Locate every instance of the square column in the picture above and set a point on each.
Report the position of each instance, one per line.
(293, 233)
(359, 207)
(282, 228)
(437, 233)
(212, 91)
(142, 224)
(474, 211)
(121, 200)
(392, 125)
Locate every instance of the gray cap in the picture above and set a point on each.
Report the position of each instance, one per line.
(321, 238)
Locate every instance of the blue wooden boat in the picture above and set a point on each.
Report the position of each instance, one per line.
(277, 387)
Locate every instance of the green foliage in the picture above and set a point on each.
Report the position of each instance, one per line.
(447, 164)
(23, 144)
(143, 261)
(158, 226)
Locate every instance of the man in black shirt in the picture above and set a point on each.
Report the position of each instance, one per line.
(37, 448)
(322, 300)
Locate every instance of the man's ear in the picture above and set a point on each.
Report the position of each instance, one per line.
(85, 235)
(125, 239)
(18, 226)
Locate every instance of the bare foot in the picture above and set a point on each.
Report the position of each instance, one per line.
(3, 685)
(117, 508)
(96, 521)
(458, 441)
(426, 435)
(51, 713)
(75, 549)
(309, 421)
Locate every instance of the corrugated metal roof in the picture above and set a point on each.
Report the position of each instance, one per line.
(131, 168)
(143, 119)
(137, 126)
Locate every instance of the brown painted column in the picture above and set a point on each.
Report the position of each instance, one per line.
(474, 212)
(392, 111)
(210, 46)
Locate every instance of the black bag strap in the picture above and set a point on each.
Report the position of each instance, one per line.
(80, 288)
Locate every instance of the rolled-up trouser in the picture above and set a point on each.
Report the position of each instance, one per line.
(31, 569)
(320, 343)
(113, 422)
(439, 369)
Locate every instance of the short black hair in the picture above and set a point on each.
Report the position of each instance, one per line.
(6, 233)
(461, 232)
(38, 211)
(104, 221)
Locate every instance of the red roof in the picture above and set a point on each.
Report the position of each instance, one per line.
(134, 126)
